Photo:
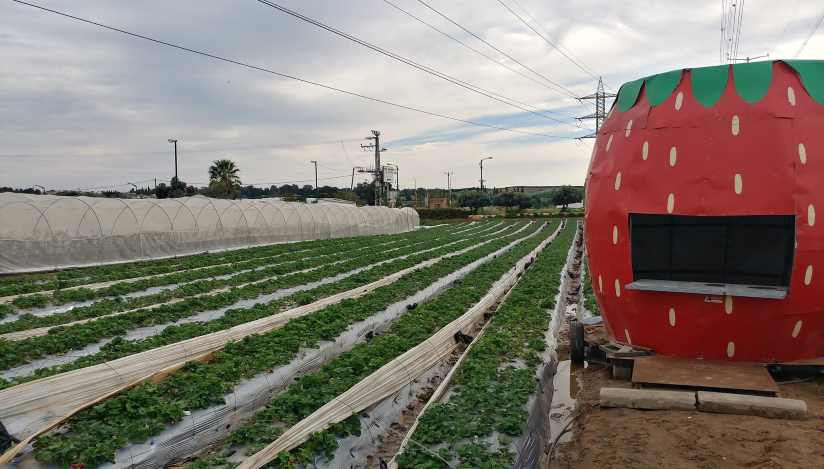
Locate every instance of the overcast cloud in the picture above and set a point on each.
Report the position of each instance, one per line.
(81, 106)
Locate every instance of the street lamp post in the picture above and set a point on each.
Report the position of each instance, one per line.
(177, 179)
(316, 180)
(482, 171)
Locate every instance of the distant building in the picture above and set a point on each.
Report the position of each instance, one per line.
(530, 189)
(437, 202)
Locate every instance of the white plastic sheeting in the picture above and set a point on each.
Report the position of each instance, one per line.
(39, 232)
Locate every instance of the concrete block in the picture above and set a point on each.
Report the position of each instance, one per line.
(769, 407)
(647, 399)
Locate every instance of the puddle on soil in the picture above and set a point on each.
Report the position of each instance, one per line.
(566, 388)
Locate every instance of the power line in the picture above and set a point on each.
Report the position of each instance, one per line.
(547, 40)
(333, 169)
(412, 63)
(289, 182)
(785, 26)
(480, 53)
(205, 150)
(738, 30)
(347, 154)
(564, 90)
(116, 185)
(559, 42)
(809, 35)
(401, 106)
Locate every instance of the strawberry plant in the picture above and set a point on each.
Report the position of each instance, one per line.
(316, 389)
(199, 384)
(64, 339)
(107, 306)
(490, 389)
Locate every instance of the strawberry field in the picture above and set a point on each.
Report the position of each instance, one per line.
(234, 359)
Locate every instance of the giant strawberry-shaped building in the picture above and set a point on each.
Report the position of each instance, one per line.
(701, 200)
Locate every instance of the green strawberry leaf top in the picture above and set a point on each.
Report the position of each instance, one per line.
(751, 82)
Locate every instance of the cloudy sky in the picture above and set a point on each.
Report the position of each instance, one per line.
(84, 107)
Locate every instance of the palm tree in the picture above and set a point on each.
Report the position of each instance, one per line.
(223, 177)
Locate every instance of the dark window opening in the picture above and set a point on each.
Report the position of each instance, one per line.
(743, 250)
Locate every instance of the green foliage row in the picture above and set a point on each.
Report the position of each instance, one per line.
(491, 388)
(119, 347)
(351, 249)
(22, 284)
(62, 339)
(314, 390)
(441, 213)
(590, 303)
(123, 288)
(95, 434)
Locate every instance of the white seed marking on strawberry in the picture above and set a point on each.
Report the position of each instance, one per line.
(802, 153)
(738, 184)
(645, 151)
(736, 124)
(791, 95)
(796, 329)
(678, 100)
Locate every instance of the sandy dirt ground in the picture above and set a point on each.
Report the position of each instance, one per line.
(628, 438)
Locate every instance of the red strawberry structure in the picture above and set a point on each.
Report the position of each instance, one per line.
(705, 165)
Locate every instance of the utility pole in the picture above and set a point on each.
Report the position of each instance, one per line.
(482, 171)
(352, 186)
(449, 186)
(316, 180)
(416, 192)
(171, 140)
(378, 170)
(600, 107)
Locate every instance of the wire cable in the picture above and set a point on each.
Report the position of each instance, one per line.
(565, 91)
(414, 64)
(785, 26)
(333, 169)
(347, 155)
(738, 30)
(480, 53)
(809, 35)
(205, 150)
(401, 106)
(116, 185)
(547, 40)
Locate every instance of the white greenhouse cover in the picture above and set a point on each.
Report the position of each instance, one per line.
(41, 232)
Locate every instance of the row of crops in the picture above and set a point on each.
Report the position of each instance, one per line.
(216, 306)
(350, 308)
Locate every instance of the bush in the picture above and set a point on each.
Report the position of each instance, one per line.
(441, 213)
(473, 200)
(512, 199)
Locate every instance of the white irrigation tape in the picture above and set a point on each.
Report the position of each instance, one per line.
(392, 376)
